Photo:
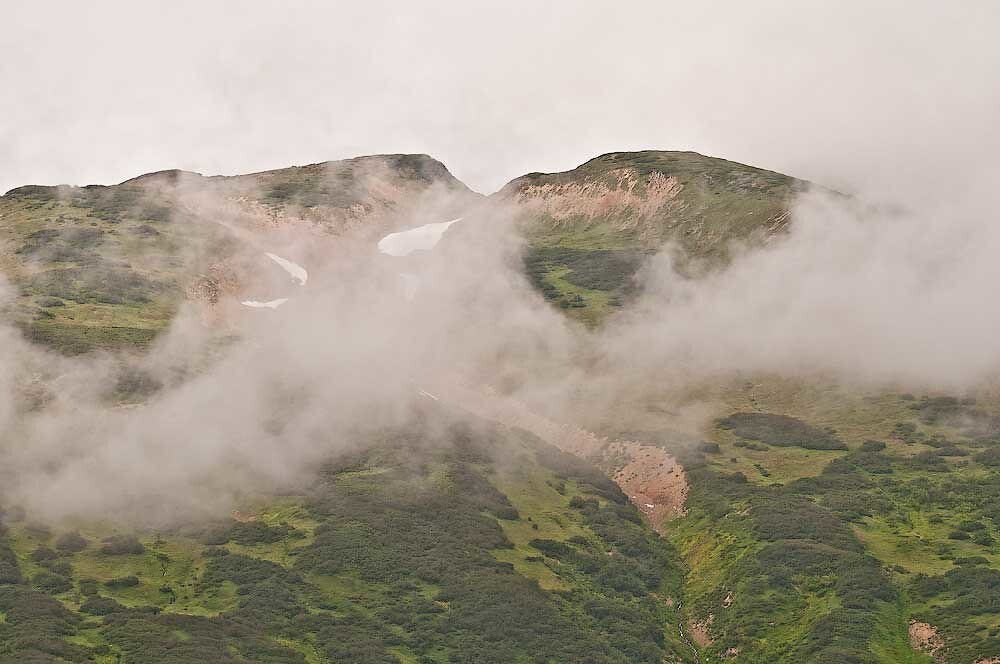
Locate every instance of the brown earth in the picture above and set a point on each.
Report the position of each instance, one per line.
(652, 479)
(925, 638)
(637, 201)
(699, 631)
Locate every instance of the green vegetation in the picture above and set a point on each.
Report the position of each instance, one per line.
(591, 228)
(830, 560)
(582, 279)
(106, 268)
(781, 430)
(397, 554)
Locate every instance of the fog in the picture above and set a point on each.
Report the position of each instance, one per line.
(888, 95)
(900, 297)
(347, 355)
(869, 296)
(891, 288)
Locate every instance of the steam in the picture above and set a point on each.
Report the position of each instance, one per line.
(864, 295)
(882, 296)
(346, 357)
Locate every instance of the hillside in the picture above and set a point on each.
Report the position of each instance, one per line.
(105, 267)
(591, 228)
(419, 547)
(792, 521)
(833, 525)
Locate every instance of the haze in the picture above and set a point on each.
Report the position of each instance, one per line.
(855, 95)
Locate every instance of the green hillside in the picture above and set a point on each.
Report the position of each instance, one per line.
(822, 522)
(421, 548)
(106, 267)
(591, 228)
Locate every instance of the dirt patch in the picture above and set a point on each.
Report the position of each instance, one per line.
(699, 631)
(652, 479)
(621, 194)
(220, 280)
(925, 638)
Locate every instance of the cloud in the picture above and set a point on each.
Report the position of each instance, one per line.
(858, 293)
(855, 95)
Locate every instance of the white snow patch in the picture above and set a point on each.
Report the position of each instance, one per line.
(421, 238)
(297, 272)
(270, 304)
(428, 395)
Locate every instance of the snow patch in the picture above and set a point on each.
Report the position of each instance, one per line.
(270, 304)
(297, 272)
(421, 238)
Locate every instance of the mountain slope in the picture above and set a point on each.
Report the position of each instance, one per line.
(107, 266)
(449, 540)
(591, 228)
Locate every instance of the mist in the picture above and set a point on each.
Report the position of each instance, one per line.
(899, 296)
(284, 390)
(886, 297)
(890, 286)
(855, 95)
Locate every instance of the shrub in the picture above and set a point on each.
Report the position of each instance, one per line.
(983, 538)
(579, 502)
(60, 567)
(71, 542)
(970, 526)
(51, 583)
(129, 581)
(781, 431)
(101, 606)
(248, 533)
(121, 545)
(43, 553)
(989, 457)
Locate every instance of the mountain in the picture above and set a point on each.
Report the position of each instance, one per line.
(426, 545)
(106, 266)
(591, 228)
(801, 522)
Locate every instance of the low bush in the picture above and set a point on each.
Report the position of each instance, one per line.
(781, 431)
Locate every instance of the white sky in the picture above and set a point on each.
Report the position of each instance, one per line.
(891, 96)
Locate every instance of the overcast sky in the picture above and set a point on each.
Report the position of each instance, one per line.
(877, 95)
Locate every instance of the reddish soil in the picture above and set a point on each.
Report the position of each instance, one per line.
(925, 638)
(652, 479)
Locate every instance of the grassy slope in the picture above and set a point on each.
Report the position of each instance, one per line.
(905, 518)
(88, 275)
(718, 202)
(106, 267)
(887, 522)
(421, 550)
